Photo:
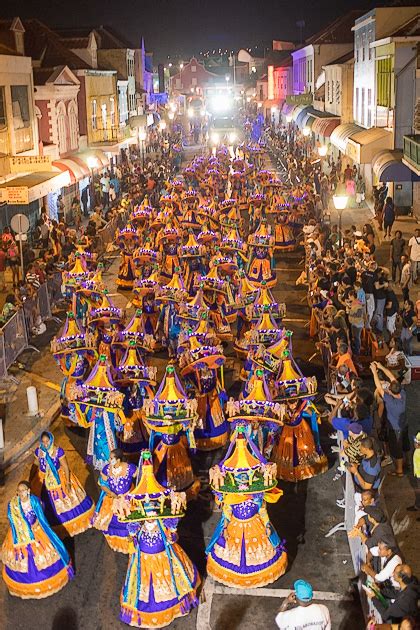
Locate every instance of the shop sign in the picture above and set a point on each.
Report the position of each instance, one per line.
(17, 195)
(299, 99)
(30, 163)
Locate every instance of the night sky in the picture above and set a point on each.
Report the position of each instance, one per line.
(181, 27)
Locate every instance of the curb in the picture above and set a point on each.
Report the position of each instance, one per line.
(31, 437)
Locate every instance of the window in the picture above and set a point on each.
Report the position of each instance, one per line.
(383, 72)
(20, 106)
(357, 48)
(356, 105)
(362, 108)
(363, 47)
(3, 119)
(369, 107)
(178, 84)
(193, 81)
(369, 39)
(94, 116)
(73, 126)
(61, 128)
(112, 111)
(193, 68)
(338, 92)
(21, 118)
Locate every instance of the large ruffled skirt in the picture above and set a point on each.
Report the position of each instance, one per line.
(69, 509)
(34, 571)
(244, 556)
(296, 454)
(156, 603)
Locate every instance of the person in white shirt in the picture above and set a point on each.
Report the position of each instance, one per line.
(298, 611)
(383, 560)
(414, 247)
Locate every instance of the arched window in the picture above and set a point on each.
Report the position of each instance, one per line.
(61, 128)
(73, 126)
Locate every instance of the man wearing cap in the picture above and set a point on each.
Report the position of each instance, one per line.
(298, 610)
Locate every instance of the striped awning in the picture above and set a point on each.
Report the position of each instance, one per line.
(342, 133)
(325, 126)
(389, 167)
(77, 168)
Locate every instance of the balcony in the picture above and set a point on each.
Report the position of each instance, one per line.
(111, 135)
(412, 152)
(23, 139)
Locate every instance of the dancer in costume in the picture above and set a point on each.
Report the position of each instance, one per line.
(66, 504)
(115, 480)
(73, 349)
(97, 405)
(171, 417)
(260, 256)
(36, 563)
(200, 360)
(245, 550)
(161, 582)
(127, 240)
(297, 450)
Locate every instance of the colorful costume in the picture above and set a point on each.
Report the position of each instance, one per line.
(66, 504)
(260, 257)
(97, 405)
(171, 417)
(105, 520)
(245, 550)
(161, 582)
(36, 563)
(297, 450)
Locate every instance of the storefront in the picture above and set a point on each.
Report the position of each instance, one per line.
(387, 166)
(323, 128)
(363, 145)
(26, 194)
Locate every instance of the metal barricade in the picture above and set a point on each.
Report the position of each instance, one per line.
(15, 337)
(54, 284)
(44, 307)
(3, 367)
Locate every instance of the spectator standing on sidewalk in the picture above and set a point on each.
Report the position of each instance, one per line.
(298, 610)
(408, 326)
(389, 216)
(360, 190)
(395, 254)
(405, 280)
(414, 247)
(104, 181)
(392, 306)
(381, 286)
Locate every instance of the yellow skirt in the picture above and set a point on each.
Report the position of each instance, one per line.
(297, 441)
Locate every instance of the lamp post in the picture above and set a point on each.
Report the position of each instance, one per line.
(322, 151)
(340, 200)
(142, 139)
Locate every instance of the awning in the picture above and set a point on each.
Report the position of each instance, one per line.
(23, 190)
(77, 168)
(325, 126)
(341, 134)
(299, 114)
(308, 120)
(388, 167)
(98, 155)
(287, 109)
(365, 144)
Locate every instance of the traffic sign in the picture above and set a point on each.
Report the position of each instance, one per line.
(20, 223)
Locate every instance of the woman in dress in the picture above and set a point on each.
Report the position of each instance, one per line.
(36, 563)
(67, 507)
(245, 550)
(116, 479)
(161, 582)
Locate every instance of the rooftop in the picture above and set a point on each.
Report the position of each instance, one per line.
(337, 32)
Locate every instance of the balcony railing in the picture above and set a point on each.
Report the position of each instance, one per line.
(412, 150)
(110, 135)
(23, 139)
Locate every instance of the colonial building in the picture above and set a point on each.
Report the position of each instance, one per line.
(192, 77)
(26, 175)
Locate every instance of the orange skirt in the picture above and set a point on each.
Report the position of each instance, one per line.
(295, 454)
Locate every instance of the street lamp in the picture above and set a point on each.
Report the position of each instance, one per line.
(322, 150)
(171, 115)
(289, 118)
(162, 125)
(306, 131)
(340, 200)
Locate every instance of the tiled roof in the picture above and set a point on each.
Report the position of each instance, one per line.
(45, 46)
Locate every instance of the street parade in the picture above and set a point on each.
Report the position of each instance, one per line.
(210, 321)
